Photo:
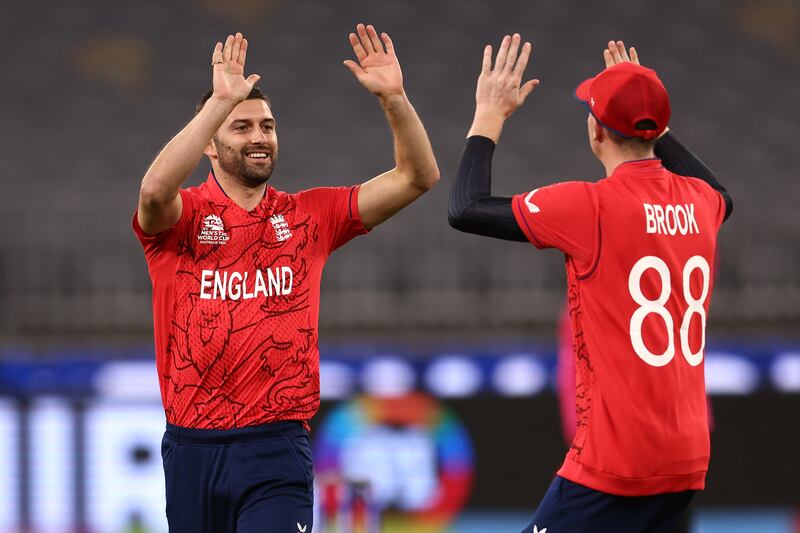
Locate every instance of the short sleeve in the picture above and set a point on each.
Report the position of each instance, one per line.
(563, 216)
(152, 244)
(336, 212)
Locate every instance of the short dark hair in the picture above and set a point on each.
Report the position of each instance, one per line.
(255, 94)
(635, 144)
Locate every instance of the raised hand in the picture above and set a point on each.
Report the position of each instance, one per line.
(228, 64)
(615, 53)
(500, 90)
(377, 69)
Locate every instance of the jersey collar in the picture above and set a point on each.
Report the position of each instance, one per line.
(219, 194)
(639, 165)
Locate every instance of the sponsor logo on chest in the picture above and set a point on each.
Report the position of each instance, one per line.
(670, 219)
(213, 231)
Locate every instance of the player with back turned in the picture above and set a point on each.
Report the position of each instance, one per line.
(236, 267)
(638, 245)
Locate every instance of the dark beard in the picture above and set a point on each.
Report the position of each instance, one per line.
(236, 165)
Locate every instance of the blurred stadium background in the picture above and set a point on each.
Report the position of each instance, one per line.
(438, 348)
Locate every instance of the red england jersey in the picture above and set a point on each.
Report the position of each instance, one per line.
(236, 303)
(639, 248)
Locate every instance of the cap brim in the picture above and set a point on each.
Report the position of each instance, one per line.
(582, 91)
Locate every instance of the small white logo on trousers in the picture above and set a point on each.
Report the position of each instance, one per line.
(301, 529)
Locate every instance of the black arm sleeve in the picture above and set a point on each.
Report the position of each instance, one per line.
(677, 158)
(472, 207)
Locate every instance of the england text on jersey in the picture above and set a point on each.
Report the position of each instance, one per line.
(235, 285)
(236, 310)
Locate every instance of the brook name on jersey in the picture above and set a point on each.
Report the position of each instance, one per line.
(670, 219)
(224, 285)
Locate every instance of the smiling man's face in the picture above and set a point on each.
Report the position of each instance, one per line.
(246, 144)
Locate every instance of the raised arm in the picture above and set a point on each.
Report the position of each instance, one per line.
(675, 156)
(415, 171)
(500, 92)
(159, 199)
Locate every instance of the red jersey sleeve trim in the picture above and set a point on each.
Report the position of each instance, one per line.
(137, 229)
(145, 237)
(353, 212)
(353, 201)
(522, 222)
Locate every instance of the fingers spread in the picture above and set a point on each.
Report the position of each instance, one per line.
(522, 62)
(388, 42)
(511, 58)
(373, 38)
(500, 61)
(354, 67)
(364, 38)
(237, 45)
(243, 52)
(612, 47)
(622, 52)
(216, 55)
(528, 88)
(226, 50)
(487, 59)
(361, 54)
(607, 58)
(634, 55)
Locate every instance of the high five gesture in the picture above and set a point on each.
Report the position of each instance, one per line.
(500, 90)
(616, 53)
(227, 62)
(415, 171)
(160, 204)
(621, 456)
(209, 250)
(377, 69)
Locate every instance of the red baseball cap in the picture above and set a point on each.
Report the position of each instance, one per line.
(625, 99)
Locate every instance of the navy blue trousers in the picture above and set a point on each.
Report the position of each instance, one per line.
(568, 507)
(244, 480)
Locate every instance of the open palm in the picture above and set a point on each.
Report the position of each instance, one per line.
(377, 69)
(228, 64)
(500, 89)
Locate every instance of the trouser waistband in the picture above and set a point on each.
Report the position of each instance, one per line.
(287, 428)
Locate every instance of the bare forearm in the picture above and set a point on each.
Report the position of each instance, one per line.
(178, 159)
(413, 153)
